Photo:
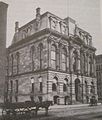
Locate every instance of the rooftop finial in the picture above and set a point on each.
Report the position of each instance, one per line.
(16, 26)
(38, 11)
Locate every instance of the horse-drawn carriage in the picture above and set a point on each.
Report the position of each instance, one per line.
(23, 109)
(93, 101)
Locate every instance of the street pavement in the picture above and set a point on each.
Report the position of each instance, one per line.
(71, 112)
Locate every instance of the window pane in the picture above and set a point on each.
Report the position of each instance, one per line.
(63, 58)
(63, 66)
(53, 65)
(53, 56)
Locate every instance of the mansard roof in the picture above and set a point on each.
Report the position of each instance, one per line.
(41, 22)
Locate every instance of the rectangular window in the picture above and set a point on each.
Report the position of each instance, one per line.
(53, 64)
(53, 56)
(40, 86)
(16, 86)
(11, 86)
(63, 58)
(11, 82)
(63, 66)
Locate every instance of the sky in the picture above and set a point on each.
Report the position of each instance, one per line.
(87, 13)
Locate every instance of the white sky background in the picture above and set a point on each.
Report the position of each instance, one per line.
(87, 13)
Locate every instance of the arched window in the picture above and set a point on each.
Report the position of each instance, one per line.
(86, 88)
(12, 63)
(54, 84)
(64, 59)
(65, 85)
(54, 87)
(41, 55)
(83, 63)
(32, 56)
(18, 61)
(90, 65)
(41, 85)
(16, 96)
(78, 91)
(75, 61)
(53, 57)
(92, 90)
(11, 91)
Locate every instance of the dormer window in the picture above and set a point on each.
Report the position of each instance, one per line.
(53, 24)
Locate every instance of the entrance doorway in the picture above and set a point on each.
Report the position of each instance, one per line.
(66, 100)
(55, 99)
(78, 90)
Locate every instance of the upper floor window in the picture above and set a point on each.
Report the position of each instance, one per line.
(32, 56)
(41, 55)
(64, 59)
(90, 65)
(12, 63)
(75, 61)
(18, 60)
(53, 57)
(86, 87)
(83, 62)
(92, 90)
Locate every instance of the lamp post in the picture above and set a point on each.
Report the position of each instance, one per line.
(82, 89)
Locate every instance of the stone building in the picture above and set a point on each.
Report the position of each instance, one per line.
(99, 76)
(51, 59)
(3, 24)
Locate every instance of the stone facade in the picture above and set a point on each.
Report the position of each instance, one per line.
(99, 76)
(57, 55)
(3, 23)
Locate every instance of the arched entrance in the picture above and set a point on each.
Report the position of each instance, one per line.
(66, 100)
(78, 90)
(55, 99)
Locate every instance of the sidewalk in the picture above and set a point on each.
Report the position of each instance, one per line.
(70, 106)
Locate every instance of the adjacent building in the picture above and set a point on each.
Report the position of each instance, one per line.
(99, 76)
(51, 59)
(3, 24)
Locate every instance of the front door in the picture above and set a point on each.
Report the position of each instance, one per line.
(55, 99)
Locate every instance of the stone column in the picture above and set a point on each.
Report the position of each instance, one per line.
(88, 65)
(73, 93)
(58, 58)
(85, 63)
(94, 66)
(71, 58)
(67, 59)
(60, 87)
(49, 52)
(78, 67)
(49, 86)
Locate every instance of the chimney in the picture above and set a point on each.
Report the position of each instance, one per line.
(38, 14)
(16, 26)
